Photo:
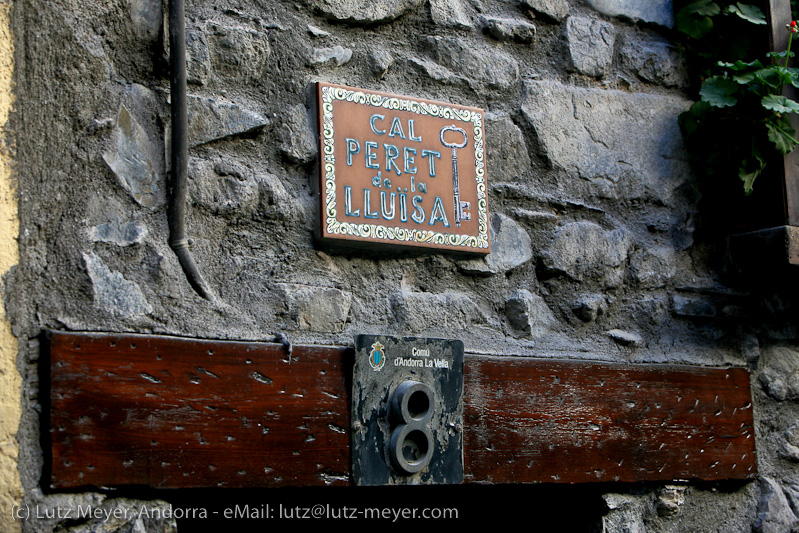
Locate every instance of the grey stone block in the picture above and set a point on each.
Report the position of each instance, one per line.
(590, 307)
(211, 120)
(630, 145)
(436, 72)
(774, 513)
(669, 500)
(479, 63)
(229, 189)
(112, 292)
(147, 17)
(508, 157)
(315, 31)
(238, 53)
(274, 201)
(451, 13)
(225, 189)
(136, 155)
(506, 29)
(779, 372)
(750, 347)
(419, 312)
(321, 309)
(626, 513)
(585, 251)
(693, 306)
(654, 61)
(555, 10)
(511, 247)
(198, 56)
(657, 11)
(529, 313)
(653, 267)
(379, 62)
(510, 244)
(116, 232)
(591, 44)
(333, 56)
(365, 11)
(625, 338)
(789, 448)
(297, 136)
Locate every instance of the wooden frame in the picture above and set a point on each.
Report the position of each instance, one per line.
(779, 15)
(772, 246)
(168, 412)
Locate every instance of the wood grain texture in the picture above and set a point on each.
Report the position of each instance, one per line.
(169, 412)
(532, 421)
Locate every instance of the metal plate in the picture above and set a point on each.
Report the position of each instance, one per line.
(401, 171)
(407, 412)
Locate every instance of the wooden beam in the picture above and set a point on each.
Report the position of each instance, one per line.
(534, 421)
(779, 15)
(169, 412)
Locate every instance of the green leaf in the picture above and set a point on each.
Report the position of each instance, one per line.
(694, 27)
(772, 76)
(782, 75)
(699, 109)
(780, 55)
(751, 167)
(706, 8)
(747, 12)
(748, 176)
(745, 79)
(767, 75)
(718, 91)
(793, 76)
(779, 104)
(691, 120)
(741, 65)
(782, 135)
(694, 19)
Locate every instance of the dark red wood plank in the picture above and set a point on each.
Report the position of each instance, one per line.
(534, 421)
(169, 412)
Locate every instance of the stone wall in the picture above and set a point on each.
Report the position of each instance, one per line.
(593, 205)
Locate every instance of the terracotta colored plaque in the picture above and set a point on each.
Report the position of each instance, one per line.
(401, 171)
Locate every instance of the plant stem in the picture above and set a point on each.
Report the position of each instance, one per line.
(794, 141)
(787, 57)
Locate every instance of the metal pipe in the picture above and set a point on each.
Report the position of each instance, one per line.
(179, 156)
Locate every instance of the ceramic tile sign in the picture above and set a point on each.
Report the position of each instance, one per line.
(401, 171)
